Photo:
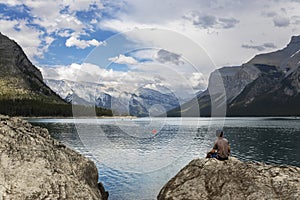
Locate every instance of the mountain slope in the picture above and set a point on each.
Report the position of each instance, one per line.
(267, 85)
(22, 90)
(269, 95)
(19, 79)
(276, 91)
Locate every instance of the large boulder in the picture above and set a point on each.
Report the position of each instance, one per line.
(35, 166)
(233, 179)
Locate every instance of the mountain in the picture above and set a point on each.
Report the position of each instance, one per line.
(267, 85)
(152, 102)
(22, 90)
(142, 102)
(19, 77)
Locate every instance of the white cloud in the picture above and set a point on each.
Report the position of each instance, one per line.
(156, 76)
(259, 47)
(49, 16)
(27, 37)
(75, 5)
(64, 33)
(122, 59)
(82, 44)
(165, 56)
(210, 21)
(280, 21)
(216, 25)
(227, 25)
(94, 21)
(198, 80)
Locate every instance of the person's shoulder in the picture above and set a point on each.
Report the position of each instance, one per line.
(225, 139)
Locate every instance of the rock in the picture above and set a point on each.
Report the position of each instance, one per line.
(35, 166)
(233, 179)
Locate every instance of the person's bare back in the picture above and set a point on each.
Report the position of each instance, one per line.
(221, 149)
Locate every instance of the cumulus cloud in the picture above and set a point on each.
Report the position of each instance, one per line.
(259, 47)
(122, 59)
(281, 21)
(29, 39)
(45, 20)
(205, 21)
(295, 20)
(198, 80)
(232, 23)
(268, 13)
(165, 56)
(127, 81)
(228, 22)
(210, 21)
(82, 44)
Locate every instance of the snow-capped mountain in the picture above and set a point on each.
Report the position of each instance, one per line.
(141, 102)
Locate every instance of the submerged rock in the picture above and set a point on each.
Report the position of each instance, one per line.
(35, 166)
(233, 179)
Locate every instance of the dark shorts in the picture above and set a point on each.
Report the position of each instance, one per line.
(219, 158)
(215, 155)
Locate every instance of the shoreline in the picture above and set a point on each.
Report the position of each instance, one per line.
(62, 117)
(135, 117)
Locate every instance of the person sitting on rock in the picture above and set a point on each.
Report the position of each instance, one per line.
(221, 149)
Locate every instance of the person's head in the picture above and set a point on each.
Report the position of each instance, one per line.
(219, 133)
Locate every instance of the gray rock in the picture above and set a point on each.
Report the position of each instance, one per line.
(233, 179)
(35, 166)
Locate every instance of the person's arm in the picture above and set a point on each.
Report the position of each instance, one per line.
(228, 150)
(215, 148)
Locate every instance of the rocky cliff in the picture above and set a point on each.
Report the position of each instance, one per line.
(19, 78)
(35, 166)
(232, 179)
(266, 85)
(276, 90)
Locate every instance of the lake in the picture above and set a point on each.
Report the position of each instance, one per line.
(136, 157)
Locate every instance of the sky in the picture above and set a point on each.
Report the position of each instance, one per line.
(170, 43)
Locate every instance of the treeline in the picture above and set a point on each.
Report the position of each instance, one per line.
(35, 108)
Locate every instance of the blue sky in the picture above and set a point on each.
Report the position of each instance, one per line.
(61, 34)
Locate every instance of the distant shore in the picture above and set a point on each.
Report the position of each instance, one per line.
(63, 117)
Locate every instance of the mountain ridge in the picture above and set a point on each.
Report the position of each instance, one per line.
(142, 102)
(266, 85)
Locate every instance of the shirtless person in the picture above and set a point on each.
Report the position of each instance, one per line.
(221, 149)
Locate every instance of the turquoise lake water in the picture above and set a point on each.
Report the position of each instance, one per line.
(136, 157)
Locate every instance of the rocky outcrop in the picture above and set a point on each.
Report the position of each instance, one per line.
(35, 166)
(234, 180)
